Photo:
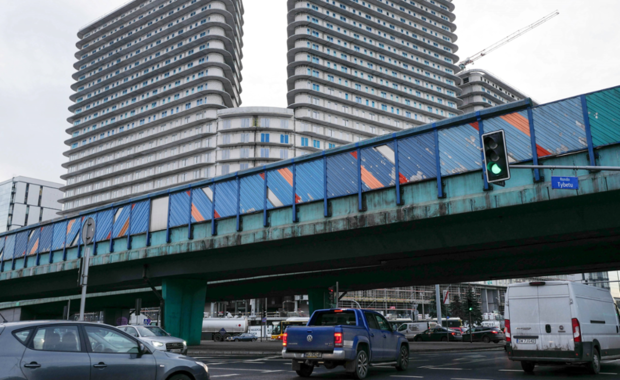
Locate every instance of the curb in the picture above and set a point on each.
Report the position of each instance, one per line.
(213, 352)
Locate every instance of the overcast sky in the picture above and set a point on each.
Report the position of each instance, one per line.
(574, 53)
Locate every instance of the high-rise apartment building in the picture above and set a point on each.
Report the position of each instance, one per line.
(480, 89)
(364, 68)
(26, 201)
(150, 76)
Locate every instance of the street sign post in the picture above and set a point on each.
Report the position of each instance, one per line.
(88, 234)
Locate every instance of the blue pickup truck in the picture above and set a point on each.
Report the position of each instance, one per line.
(354, 338)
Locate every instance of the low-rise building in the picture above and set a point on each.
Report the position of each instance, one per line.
(25, 201)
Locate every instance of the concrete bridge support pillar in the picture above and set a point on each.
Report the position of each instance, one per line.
(184, 308)
(318, 299)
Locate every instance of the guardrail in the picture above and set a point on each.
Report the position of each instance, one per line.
(428, 153)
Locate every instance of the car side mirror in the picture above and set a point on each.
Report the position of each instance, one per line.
(142, 349)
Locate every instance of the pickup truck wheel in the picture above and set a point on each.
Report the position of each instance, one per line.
(528, 367)
(403, 359)
(305, 370)
(361, 365)
(595, 365)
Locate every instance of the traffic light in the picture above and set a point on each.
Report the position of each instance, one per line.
(471, 308)
(332, 295)
(496, 164)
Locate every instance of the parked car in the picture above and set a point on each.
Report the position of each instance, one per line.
(157, 337)
(561, 322)
(247, 337)
(52, 350)
(484, 334)
(352, 338)
(439, 334)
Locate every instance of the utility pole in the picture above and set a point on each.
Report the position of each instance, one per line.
(438, 304)
(88, 234)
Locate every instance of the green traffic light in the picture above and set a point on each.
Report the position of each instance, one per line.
(494, 168)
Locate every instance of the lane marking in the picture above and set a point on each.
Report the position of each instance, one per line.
(445, 368)
(229, 375)
(462, 378)
(408, 377)
(607, 373)
(242, 369)
(511, 370)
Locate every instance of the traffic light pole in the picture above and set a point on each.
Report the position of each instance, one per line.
(471, 328)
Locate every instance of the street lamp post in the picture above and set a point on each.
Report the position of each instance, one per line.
(88, 234)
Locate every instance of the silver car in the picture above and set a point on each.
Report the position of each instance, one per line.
(54, 350)
(157, 337)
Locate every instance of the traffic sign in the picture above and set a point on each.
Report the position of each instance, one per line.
(222, 332)
(147, 322)
(264, 320)
(565, 183)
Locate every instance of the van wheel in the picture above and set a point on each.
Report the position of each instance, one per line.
(528, 367)
(361, 364)
(305, 370)
(486, 339)
(595, 365)
(403, 359)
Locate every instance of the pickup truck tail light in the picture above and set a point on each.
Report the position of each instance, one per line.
(576, 330)
(337, 339)
(284, 339)
(507, 324)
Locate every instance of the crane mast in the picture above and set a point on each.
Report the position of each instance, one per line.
(506, 40)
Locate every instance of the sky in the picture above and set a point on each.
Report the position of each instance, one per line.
(569, 55)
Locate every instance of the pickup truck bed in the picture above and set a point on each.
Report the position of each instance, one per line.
(354, 338)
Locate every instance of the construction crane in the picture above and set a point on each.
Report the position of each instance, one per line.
(506, 40)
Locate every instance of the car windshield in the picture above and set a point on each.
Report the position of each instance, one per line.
(151, 331)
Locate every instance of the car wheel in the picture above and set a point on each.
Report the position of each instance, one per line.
(528, 367)
(179, 376)
(361, 365)
(403, 359)
(417, 339)
(217, 337)
(254, 340)
(444, 339)
(595, 365)
(305, 370)
(486, 339)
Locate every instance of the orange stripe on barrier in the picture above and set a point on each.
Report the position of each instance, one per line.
(354, 154)
(70, 224)
(475, 125)
(34, 248)
(370, 180)
(297, 199)
(402, 179)
(287, 175)
(518, 121)
(196, 214)
(124, 229)
(217, 215)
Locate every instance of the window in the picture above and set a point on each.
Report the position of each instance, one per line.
(57, 338)
(22, 335)
(283, 139)
(264, 152)
(316, 144)
(264, 137)
(304, 141)
(105, 340)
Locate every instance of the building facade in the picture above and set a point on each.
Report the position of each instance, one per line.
(149, 75)
(481, 89)
(358, 69)
(26, 201)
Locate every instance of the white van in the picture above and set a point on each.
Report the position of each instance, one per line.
(412, 329)
(561, 322)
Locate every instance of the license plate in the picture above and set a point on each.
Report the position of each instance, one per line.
(176, 351)
(313, 355)
(526, 341)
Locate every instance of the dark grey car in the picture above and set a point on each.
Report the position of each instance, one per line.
(52, 350)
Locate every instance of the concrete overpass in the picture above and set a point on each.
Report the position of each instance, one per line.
(409, 208)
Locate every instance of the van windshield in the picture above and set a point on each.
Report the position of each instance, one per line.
(333, 318)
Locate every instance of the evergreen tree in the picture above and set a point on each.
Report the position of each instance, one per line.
(472, 302)
(456, 308)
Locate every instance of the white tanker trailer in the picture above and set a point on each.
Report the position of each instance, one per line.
(219, 329)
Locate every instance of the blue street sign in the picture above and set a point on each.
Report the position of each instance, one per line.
(264, 320)
(147, 322)
(565, 183)
(222, 332)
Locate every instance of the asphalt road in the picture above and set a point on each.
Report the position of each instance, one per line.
(479, 365)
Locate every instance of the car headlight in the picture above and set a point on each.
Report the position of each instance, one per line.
(157, 344)
(184, 344)
(203, 365)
